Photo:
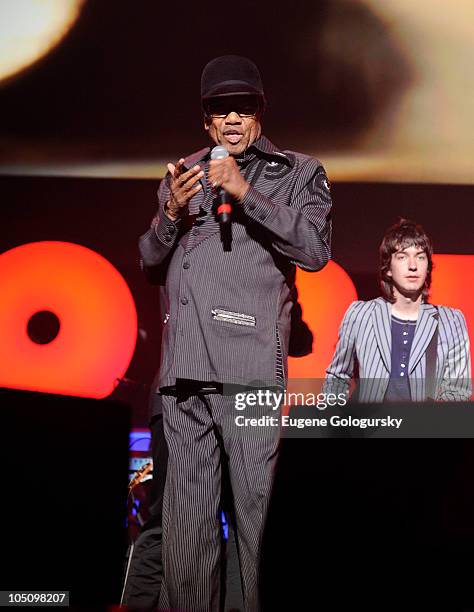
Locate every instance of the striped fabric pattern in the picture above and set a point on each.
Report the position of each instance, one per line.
(365, 344)
(283, 221)
(198, 428)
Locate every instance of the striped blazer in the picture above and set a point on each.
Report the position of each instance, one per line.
(364, 344)
(227, 310)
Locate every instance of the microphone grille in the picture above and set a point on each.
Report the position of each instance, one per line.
(219, 152)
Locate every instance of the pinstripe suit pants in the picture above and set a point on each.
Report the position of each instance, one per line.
(203, 439)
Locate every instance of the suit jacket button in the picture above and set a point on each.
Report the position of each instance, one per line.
(171, 228)
(251, 206)
(184, 301)
(186, 265)
(167, 237)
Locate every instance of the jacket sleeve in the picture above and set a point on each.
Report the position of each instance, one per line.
(301, 231)
(157, 245)
(456, 384)
(340, 371)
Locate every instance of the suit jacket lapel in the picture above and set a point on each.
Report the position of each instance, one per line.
(381, 320)
(424, 331)
(196, 202)
(200, 157)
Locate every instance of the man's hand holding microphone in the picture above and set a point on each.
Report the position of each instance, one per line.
(224, 177)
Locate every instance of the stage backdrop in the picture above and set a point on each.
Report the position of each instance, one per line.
(107, 216)
(378, 90)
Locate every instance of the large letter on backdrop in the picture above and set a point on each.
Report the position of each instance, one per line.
(89, 313)
(68, 322)
(452, 286)
(324, 298)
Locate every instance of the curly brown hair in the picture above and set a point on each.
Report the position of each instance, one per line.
(400, 236)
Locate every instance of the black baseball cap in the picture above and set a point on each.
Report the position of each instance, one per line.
(230, 75)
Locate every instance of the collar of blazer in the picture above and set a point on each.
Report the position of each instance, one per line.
(425, 327)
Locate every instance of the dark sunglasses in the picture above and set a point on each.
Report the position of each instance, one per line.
(245, 106)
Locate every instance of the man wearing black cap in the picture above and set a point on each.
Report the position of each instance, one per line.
(227, 298)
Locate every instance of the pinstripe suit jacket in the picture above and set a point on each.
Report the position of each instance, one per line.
(228, 312)
(365, 339)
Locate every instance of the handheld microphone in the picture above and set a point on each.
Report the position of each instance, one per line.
(224, 207)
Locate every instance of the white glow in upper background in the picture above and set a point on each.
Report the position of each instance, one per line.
(427, 135)
(29, 29)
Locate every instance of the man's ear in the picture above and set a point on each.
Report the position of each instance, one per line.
(389, 273)
(207, 122)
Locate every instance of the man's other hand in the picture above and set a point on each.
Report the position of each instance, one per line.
(183, 186)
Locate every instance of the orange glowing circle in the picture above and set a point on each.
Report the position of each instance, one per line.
(451, 286)
(96, 311)
(324, 298)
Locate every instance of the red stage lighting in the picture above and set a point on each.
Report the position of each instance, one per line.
(324, 298)
(91, 317)
(451, 286)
